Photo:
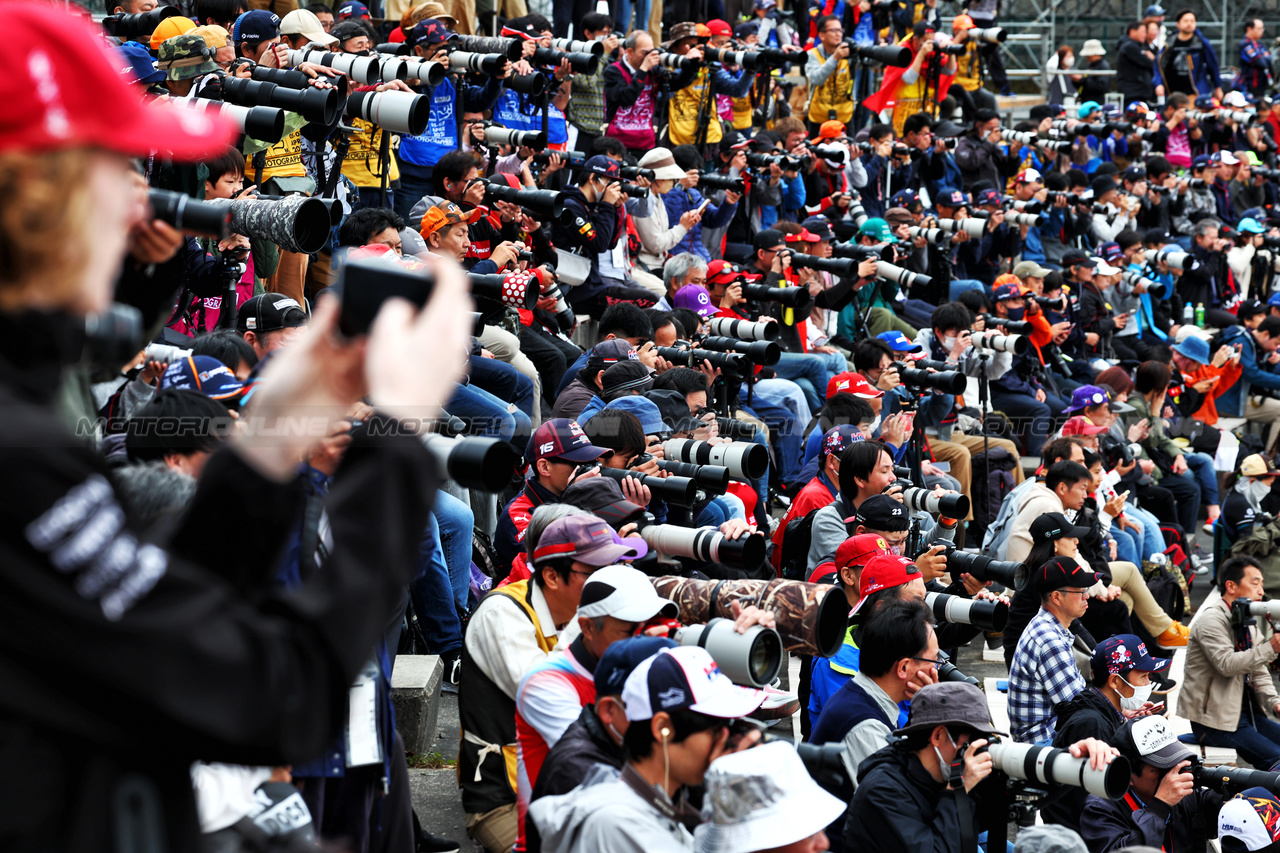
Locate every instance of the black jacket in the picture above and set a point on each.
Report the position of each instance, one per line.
(1135, 71)
(1109, 825)
(900, 808)
(1089, 714)
(1096, 316)
(124, 661)
(582, 746)
(596, 227)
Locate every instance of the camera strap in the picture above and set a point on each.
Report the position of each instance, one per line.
(964, 812)
(681, 813)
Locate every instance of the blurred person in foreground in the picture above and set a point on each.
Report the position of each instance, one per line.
(173, 664)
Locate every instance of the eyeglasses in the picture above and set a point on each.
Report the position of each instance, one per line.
(928, 660)
(1083, 593)
(584, 574)
(834, 30)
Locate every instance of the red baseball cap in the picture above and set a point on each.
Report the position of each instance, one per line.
(859, 550)
(724, 272)
(885, 572)
(718, 27)
(806, 236)
(1080, 425)
(852, 383)
(46, 105)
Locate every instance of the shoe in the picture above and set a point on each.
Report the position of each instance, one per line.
(452, 669)
(778, 705)
(428, 843)
(1163, 685)
(1006, 91)
(1173, 637)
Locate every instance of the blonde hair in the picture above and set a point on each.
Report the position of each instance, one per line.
(799, 99)
(45, 208)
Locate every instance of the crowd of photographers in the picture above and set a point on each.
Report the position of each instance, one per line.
(759, 346)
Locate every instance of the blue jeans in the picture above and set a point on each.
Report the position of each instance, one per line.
(502, 381)
(835, 363)
(433, 597)
(622, 8)
(1257, 740)
(455, 522)
(720, 509)
(415, 182)
(807, 371)
(960, 285)
(1201, 467)
(1152, 538)
(488, 416)
(1128, 545)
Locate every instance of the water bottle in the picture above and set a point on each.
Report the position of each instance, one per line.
(1200, 314)
(1188, 315)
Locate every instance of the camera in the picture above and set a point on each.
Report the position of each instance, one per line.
(1047, 304)
(1006, 573)
(295, 223)
(843, 267)
(164, 352)
(681, 491)
(1228, 780)
(1017, 218)
(126, 26)
(1197, 184)
(751, 658)
(1015, 327)
(1072, 198)
(752, 60)
(577, 46)
(1049, 766)
(997, 342)
(745, 460)
(632, 173)
(950, 505)
(1136, 279)
(958, 610)
(764, 353)
(898, 56)
(972, 226)
(797, 298)
(265, 124)
(483, 63)
(190, 215)
(942, 382)
(291, 79)
(532, 85)
(496, 135)
(1020, 136)
(743, 330)
(365, 70)
(495, 288)
(507, 48)
(758, 160)
(685, 355)
(991, 35)
(431, 73)
(712, 479)
(484, 464)
(950, 48)
(396, 112)
(1175, 258)
(736, 429)
(706, 544)
(947, 671)
(709, 181)
(676, 62)
(547, 204)
(314, 105)
(581, 63)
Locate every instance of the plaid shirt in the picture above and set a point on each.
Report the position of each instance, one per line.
(1044, 673)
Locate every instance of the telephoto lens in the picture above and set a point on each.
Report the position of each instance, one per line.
(950, 505)
(1228, 780)
(751, 659)
(885, 54)
(484, 464)
(632, 190)
(496, 287)
(165, 352)
(295, 223)
(706, 544)
(745, 460)
(797, 298)
(707, 181)
(1031, 219)
(948, 671)
(365, 70)
(633, 173)
(933, 236)
(128, 26)
(581, 63)
(526, 84)
(687, 356)
(1016, 344)
(190, 215)
(314, 105)
(576, 46)
(764, 353)
(901, 276)
(1015, 327)
(495, 135)
(483, 63)
(958, 610)
(943, 381)
(992, 35)
(508, 48)
(291, 79)
(431, 73)
(1020, 136)
(1049, 766)
(1176, 258)
(396, 112)
(1270, 609)
(676, 62)
(843, 267)
(1137, 279)
(573, 158)
(744, 330)
(712, 479)
(736, 429)
(265, 124)
(681, 491)
(972, 226)
(548, 204)
(1006, 573)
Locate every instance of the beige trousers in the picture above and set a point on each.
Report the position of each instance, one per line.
(1139, 600)
(495, 830)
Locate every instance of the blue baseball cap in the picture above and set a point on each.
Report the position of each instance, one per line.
(1086, 395)
(1200, 162)
(255, 26)
(645, 410)
(905, 198)
(205, 374)
(1155, 10)
(1122, 653)
(951, 197)
(1088, 107)
(562, 438)
(1249, 225)
(1275, 299)
(1193, 347)
(840, 437)
(141, 65)
(987, 196)
(622, 657)
(1110, 252)
(899, 342)
(351, 9)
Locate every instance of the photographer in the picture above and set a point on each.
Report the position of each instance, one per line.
(632, 91)
(1227, 690)
(692, 116)
(586, 110)
(1163, 806)
(829, 74)
(1123, 679)
(685, 197)
(982, 154)
(1247, 488)
(928, 77)
(1018, 392)
(1253, 395)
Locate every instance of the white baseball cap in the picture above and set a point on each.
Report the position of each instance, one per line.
(761, 799)
(300, 22)
(1235, 99)
(1104, 268)
(685, 678)
(623, 593)
(1251, 820)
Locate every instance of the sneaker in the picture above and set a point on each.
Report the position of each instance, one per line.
(452, 670)
(428, 843)
(1163, 684)
(778, 705)
(1173, 637)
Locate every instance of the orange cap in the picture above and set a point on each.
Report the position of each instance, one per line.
(703, 31)
(170, 27)
(963, 22)
(831, 130)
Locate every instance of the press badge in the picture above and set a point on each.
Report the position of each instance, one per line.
(362, 719)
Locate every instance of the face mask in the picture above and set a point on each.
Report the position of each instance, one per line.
(942, 762)
(949, 342)
(1258, 490)
(1067, 61)
(1017, 313)
(1139, 698)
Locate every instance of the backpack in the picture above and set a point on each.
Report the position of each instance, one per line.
(793, 562)
(996, 539)
(1166, 588)
(992, 479)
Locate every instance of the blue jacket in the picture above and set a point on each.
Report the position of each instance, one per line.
(1204, 72)
(1231, 403)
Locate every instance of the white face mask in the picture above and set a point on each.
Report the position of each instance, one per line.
(1258, 490)
(942, 762)
(1141, 693)
(948, 342)
(1068, 61)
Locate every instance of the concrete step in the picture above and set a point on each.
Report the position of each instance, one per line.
(415, 693)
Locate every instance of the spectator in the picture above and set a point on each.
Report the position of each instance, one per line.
(830, 75)
(1094, 88)
(693, 102)
(1257, 348)
(1188, 63)
(907, 87)
(658, 237)
(1136, 66)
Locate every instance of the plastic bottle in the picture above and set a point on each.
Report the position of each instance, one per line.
(1188, 315)
(1200, 314)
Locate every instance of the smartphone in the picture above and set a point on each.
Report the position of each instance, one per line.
(703, 206)
(1124, 496)
(366, 284)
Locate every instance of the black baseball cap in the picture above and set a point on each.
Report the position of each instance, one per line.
(1054, 525)
(1077, 258)
(1062, 572)
(1158, 236)
(270, 312)
(768, 238)
(674, 409)
(602, 497)
(881, 512)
